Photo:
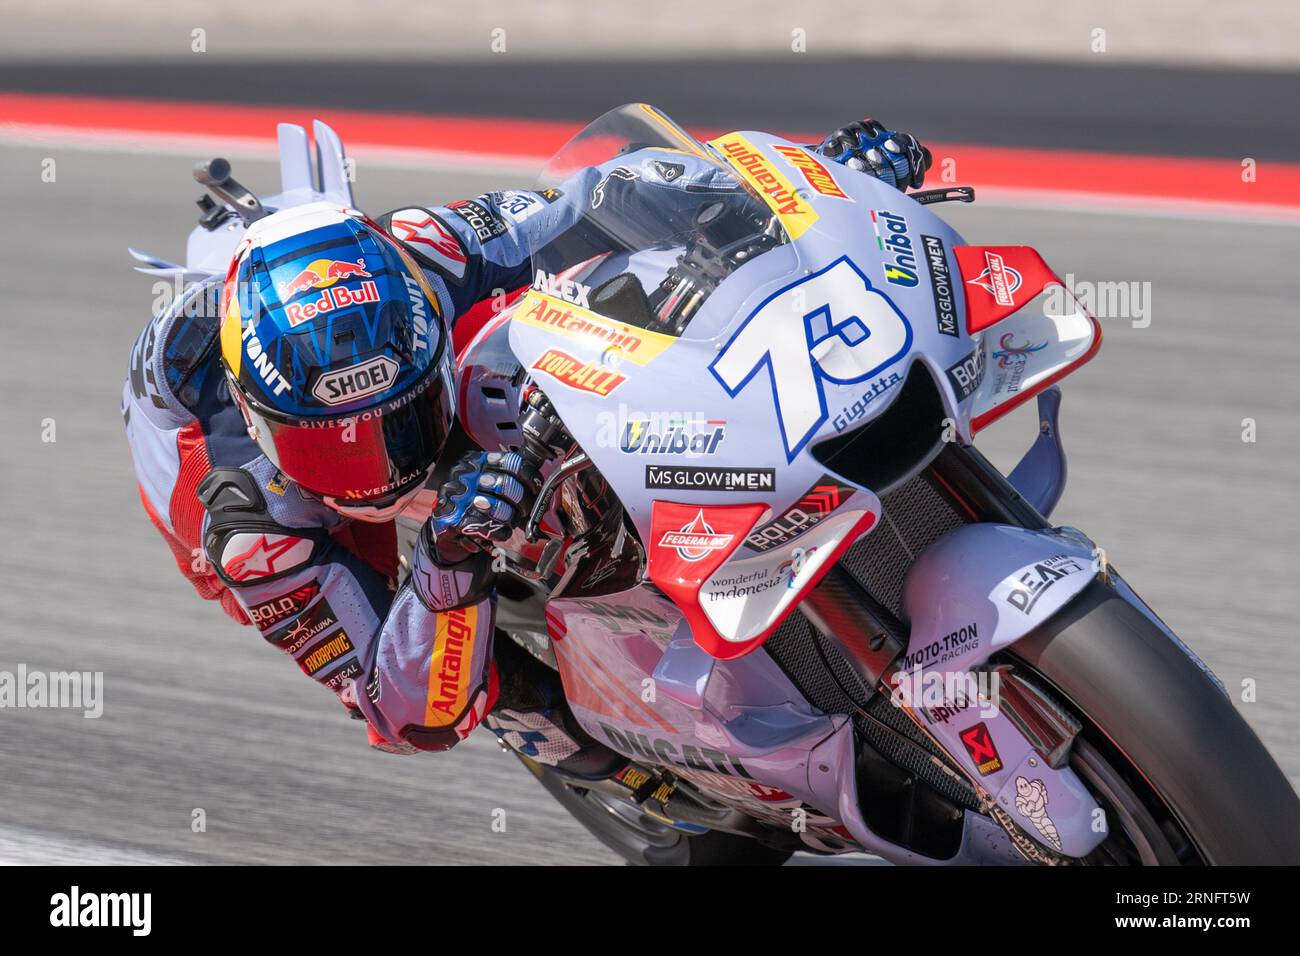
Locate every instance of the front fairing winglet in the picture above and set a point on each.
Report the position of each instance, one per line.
(1040, 475)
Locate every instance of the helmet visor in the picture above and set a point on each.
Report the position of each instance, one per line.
(370, 457)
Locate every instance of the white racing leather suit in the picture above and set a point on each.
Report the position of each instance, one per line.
(415, 663)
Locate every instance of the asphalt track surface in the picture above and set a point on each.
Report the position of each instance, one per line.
(200, 714)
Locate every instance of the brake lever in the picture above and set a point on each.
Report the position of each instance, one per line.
(948, 194)
(578, 463)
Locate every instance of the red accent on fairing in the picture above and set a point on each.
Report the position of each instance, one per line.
(472, 320)
(983, 309)
(681, 572)
(681, 577)
(864, 524)
(999, 280)
(591, 685)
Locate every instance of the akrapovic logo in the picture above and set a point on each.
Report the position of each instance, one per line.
(356, 381)
(326, 652)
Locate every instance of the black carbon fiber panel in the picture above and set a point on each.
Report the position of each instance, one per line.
(914, 517)
(794, 647)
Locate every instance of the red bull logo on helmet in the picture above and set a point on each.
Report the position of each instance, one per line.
(324, 274)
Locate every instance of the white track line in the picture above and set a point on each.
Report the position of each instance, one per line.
(20, 847)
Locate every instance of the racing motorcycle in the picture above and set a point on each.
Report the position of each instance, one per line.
(767, 560)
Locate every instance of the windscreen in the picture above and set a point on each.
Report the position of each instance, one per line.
(655, 221)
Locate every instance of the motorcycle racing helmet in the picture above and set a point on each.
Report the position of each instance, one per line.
(336, 352)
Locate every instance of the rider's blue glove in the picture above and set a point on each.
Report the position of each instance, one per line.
(483, 498)
(895, 158)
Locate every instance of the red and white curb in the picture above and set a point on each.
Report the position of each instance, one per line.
(1002, 176)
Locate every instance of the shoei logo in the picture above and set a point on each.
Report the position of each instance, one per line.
(356, 381)
(795, 213)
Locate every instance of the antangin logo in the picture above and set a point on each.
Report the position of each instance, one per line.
(453, 655)
(582, 325)
(796, 214)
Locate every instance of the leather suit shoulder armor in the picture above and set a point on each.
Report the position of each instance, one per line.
(433, 243)
(173, 354)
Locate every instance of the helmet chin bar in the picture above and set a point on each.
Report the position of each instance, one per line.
(361, 511)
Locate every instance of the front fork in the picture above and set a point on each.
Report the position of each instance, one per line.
(1000, 732)
(972, 593)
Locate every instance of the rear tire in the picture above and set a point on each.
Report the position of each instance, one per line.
(1201, 766)
(642, 840)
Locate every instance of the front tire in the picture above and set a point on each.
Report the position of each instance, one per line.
(1154, 710)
